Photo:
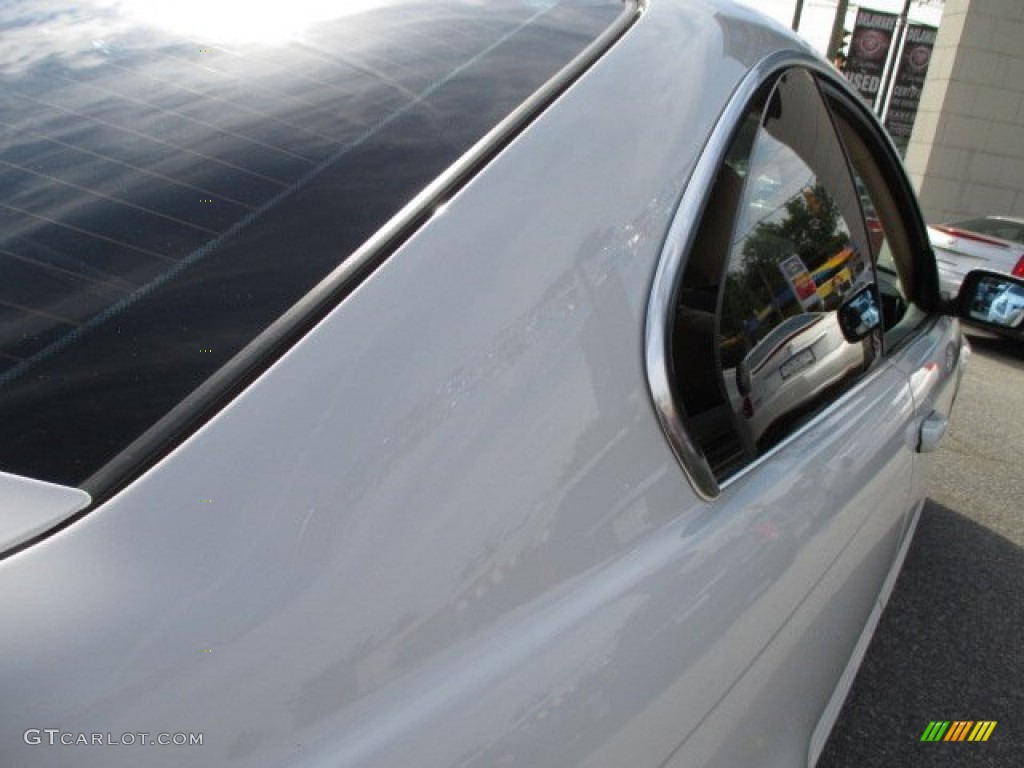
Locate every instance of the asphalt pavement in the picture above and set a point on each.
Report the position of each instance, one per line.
(950, 645)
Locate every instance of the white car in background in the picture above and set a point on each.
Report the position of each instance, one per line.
(989, 242)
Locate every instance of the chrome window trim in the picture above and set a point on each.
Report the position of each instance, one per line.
(672, 260)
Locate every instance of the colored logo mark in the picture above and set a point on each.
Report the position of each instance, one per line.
(958, 730)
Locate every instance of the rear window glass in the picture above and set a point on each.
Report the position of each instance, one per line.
(168, 193)
(1005, 230)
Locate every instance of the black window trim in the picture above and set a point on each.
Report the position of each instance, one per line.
(684, 226)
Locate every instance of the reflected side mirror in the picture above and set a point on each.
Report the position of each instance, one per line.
(993, 300)
(860, 314)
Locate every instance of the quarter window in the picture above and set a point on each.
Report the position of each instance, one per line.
(756, 347)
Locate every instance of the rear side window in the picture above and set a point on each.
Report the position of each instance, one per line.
(756, 346)
(165, 200)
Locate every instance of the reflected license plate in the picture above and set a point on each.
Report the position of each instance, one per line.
(797, 362)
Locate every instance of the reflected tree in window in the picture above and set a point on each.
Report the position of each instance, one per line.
(812, 227)
(758, 295)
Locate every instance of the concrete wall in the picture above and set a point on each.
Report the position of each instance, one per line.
(966, 153)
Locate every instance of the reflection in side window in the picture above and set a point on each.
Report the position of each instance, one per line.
(797, 249)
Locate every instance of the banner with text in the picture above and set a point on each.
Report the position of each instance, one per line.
(906, 88)
(869, 46)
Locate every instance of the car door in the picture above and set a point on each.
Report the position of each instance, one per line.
(797, 437)
(925, 344)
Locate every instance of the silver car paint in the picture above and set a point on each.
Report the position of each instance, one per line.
(31, 507)
(446, 529)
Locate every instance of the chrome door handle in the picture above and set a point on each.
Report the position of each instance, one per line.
(933, 429)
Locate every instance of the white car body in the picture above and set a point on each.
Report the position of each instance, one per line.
(958, 250)
(441, 510)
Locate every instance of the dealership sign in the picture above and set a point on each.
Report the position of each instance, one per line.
(873, 36)
(906, 88)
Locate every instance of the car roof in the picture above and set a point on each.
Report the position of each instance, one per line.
(965, 223)
(1014, 219)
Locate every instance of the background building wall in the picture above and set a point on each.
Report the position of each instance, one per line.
(966, 152)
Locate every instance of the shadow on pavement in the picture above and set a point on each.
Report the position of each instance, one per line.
(948, 647)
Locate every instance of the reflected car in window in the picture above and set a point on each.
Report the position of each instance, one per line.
(368, 384)
(789, 370)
